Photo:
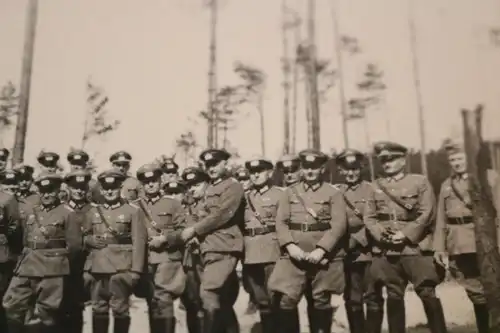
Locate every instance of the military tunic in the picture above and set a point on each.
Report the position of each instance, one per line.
(51, 239)
(125, 235)
(411, 261)
(360, 286)
(221, 243)
(261, 243)
(455, 235)
(327, 229)
(166, 276)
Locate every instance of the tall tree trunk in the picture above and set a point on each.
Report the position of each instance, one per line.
(307, 99)
(262, 124)
(27, 64)
(368, 142)
(484, 212)
(313, 77)
(295, 79)
(286, 80)
(340, 74)
(416, 85)
(212, 127)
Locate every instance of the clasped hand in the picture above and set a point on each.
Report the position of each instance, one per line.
(393, 237)
(314, 257)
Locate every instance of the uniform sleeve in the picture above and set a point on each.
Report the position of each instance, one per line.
(179, 223)
(360, 237)
(73, 234)
(87, 228)
(229, 204)
(439, 238)
(370, 218)
(414, 230)
(282, 220)
(14, 223)
(338, 223)
(139, 241)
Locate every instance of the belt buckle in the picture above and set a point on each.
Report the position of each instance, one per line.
(251, 232)
(304, 227)
(461, 220)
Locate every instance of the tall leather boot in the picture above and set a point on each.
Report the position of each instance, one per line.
(311, 317)
(482, 318)
(267, 322)
(163, 325)
(194, 321)
(324, 318)
(374, 319)
(15, 326)
(287, 321)
(435, 315)
(49, 328)
(231, 321)
(100, 323)
(355, 318)
(213, 321)
(121, 324)
(396, 315)
(74, 324)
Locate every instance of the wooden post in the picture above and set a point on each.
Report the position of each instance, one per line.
(24, 100)
(484, 212)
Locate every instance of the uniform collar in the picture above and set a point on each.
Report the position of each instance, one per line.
(353, 186)
(395, 178)
(24, 194)
(48, 208)
(261, 190)
(114, 206)
(75, 205)
(313, 187)
(154, 199)
(463, 176)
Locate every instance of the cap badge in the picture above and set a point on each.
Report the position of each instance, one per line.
(80, 179)
(45, 182)
(77, 157)
(49, 158)
(350, 159)
(190, 176)
(109, 180)
(149, 174)
(287, 164)
(208, 156)
(310, 158)
(255, 163)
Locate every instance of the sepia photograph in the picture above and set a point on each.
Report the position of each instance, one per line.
(249, 166)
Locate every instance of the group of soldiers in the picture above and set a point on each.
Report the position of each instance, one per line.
(163, 234)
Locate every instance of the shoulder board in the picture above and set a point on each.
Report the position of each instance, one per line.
(417, 176)
(93, 204)
(282, 189)
(133, 204)
(68, 208)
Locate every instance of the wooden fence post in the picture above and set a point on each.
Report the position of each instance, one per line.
(484, 212)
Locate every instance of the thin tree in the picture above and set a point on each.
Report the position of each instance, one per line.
(212, 129)
(254, 81)
(97, 123)
(188, 144)
(9, 104)
(295, 24)
(416, 84)
(312, 77)
(27, 64)
(285, 63)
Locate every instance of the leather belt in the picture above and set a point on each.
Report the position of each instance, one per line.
(460, 220)
(119, 240)
(47, 244)
(392, 217)
(252, 232)
(306, 227)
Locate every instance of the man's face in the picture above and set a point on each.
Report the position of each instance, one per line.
(49, 196)
(393, 165)
(197, 190)
(111, 194)
(311, 173)
(246, 183)
(351, 175)
(25, 184)
(260, 177)
(49, 168)
(458, 162)
(78, 193)
(76, 167)
(3, 164)
(169, 176)
(124, 167)
(291, 175)
(10, 188)
(216, 169)
(152, 186)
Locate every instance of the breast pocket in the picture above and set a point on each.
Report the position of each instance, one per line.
(270, 211)
(212, 201)
(411, 198)
(323, 209)
(55, 229)
(123, 226)
(166, 219)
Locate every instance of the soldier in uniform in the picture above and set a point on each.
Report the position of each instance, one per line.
(175, 188)
(10, 240)
(290, 166)
(10, 181)
(359, 288)
(311, 226)
(116, 237)
(454, 237)
(243, 176)
(79, 160)
(197, 182)
(399, 216)
(26, 197)
(48, 161)
(131, 188)
(261, 245)
(164, 218)
(51, 239)
(76, 293)
(221, 243)
(4, 156)
(170, 169)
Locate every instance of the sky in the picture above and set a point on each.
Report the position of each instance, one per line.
(151, 57)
